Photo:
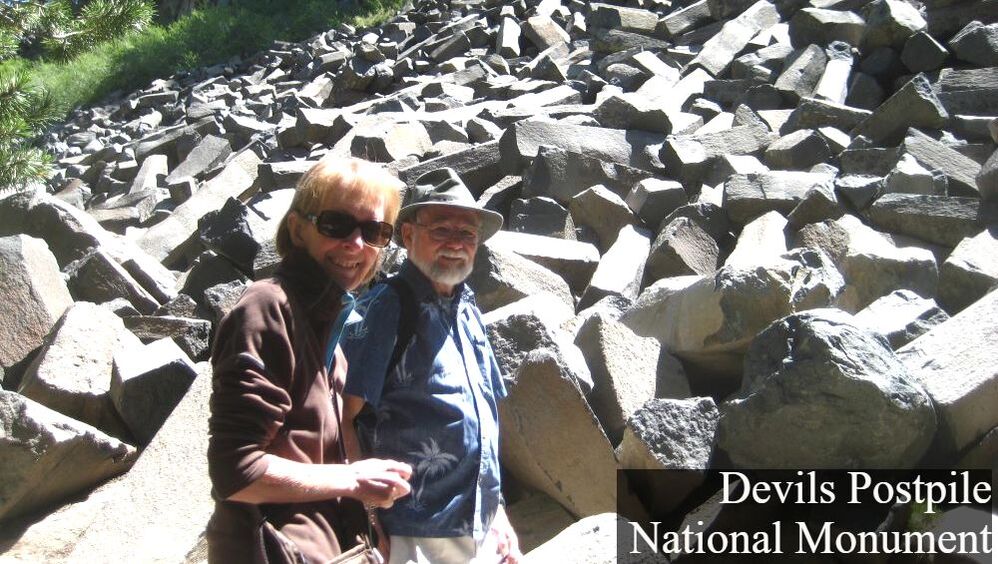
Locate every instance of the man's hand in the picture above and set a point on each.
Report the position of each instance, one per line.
(380, 482)
(507, 545)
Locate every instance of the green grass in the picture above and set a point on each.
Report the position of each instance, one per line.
(202, 38)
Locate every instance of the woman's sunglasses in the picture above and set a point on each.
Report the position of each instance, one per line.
(338, 225)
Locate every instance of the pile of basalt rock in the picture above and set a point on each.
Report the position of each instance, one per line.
(738, 234)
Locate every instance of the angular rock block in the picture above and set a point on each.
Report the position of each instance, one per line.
(675, 437)
(652, 199)
(970, 271)
(502, 277)
(157, 512)
(913, 105)
(627, 371)
(819, 392)
(190, 334)
(720, 50)
(521, 141)
(688, 158)
(562, 175)
(621, 268)
(148, 382)
(72, 373)
(574, 261)
(761, 241)
(99, 278)
(602, 210)
(959, 374)
(901, 317)
(49, 457)
(941, 220)
(747, 196)
(35, 296)
(513, 333)
(541, 216)
(960, 171)
(874, 267)
(682, 247)
(165, 240)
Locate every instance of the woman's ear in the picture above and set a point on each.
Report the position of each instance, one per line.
(296, 224)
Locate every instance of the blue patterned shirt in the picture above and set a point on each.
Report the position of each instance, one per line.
(437, 410)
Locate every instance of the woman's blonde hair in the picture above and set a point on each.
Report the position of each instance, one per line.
(333, 181)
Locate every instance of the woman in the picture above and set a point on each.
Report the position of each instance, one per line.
(274, 448)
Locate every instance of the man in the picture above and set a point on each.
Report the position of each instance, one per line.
(420, 365)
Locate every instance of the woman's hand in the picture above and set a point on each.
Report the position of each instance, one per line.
(379, 482)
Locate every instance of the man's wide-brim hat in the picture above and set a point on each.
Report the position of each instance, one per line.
(443, 187)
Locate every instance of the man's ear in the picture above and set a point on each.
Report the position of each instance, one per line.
(295, 225)
(407, 235)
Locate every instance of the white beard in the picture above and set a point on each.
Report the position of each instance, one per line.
(447, 275)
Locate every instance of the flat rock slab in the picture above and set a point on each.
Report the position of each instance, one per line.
(49, 457)
(819, 392)
(552, 441)
(959, 373)
(942, 220)
(520, 143)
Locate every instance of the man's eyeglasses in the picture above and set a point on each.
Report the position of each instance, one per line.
(442, 234)
(339, 225)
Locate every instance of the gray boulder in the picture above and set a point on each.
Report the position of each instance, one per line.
(674, 437)
(710, 323)
(551, 440)
(514, 331)
(819, 392)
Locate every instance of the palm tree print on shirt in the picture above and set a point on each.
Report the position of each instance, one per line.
(431, 462)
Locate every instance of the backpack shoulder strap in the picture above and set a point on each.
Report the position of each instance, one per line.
(408, 315)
